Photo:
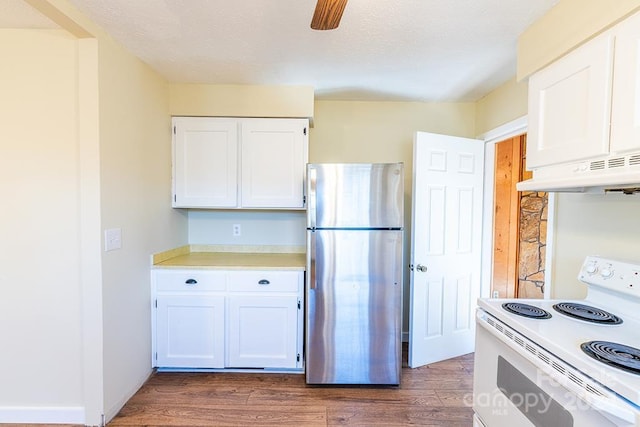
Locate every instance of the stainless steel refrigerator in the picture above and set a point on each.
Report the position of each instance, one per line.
(354, 273)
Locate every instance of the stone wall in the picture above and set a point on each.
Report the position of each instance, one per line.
(533, 233)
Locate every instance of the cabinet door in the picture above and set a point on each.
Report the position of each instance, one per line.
(625, 115)
(263, 331)
(190, 331)
(205, 162)
(570, 105)
(274, 157)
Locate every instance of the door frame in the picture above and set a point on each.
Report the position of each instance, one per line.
(491, 138)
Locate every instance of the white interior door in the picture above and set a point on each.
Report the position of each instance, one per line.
(445, 246)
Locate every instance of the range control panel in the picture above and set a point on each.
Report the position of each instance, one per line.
(612, 274)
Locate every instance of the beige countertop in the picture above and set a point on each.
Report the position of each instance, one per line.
(230, 258)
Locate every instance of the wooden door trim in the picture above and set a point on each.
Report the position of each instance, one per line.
(514, 224)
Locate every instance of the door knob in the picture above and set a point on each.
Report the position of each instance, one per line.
(421, 268)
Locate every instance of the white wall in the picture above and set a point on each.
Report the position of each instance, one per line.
(40, 289)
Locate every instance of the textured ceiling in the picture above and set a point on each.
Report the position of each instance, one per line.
(415, 50)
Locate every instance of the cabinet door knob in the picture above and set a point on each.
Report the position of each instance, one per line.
(263, 282)
(191, 282)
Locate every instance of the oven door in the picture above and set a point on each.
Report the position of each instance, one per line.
(517, 383)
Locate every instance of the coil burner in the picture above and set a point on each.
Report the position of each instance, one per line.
(587, 313)
(526, 310)
(613, 354)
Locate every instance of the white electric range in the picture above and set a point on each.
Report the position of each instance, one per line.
(562, 363)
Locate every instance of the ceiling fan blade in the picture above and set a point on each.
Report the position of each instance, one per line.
(328, 14)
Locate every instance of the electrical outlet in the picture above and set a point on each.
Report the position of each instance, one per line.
(496, 294)
(237, 231)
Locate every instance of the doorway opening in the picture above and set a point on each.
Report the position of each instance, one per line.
(519, 226)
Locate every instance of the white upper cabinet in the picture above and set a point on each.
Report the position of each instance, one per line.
(625, 115)
(205, 162)
(586, 105)
(231, 163)
(274, 157)
(569, 106)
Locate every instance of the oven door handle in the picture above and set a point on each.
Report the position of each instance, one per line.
(606, 402)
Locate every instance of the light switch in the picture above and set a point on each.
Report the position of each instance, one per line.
(112, 239)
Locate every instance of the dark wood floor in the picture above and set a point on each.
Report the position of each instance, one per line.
(433, 395)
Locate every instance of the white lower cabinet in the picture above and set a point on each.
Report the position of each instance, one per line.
(190, 331)
(228, 319)
(263, 331)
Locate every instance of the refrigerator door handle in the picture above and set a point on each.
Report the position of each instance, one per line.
(312, 260)
(311, 197)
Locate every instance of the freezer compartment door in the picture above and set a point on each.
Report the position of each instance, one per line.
(354, 307)
(360, 195)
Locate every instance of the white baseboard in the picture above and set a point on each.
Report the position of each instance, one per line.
(42, 414)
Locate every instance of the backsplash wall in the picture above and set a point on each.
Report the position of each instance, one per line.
(268, 228)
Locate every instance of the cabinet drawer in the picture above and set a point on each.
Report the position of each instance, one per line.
(184, 280)
(264, 281)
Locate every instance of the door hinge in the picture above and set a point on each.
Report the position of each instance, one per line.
(304, 200)
(299, 305)
(174, 198)
(298, 358)
(305, 131)
(174, 130)
(156, 303)
(156, 355)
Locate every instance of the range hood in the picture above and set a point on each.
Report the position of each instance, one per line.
(612, 173)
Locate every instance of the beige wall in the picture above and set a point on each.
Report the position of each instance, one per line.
(88, 148)
(135, 165)
(592, 224)
(564, 27)
(241, 100)
(506, 103)
(382, 131)
(40, 303)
